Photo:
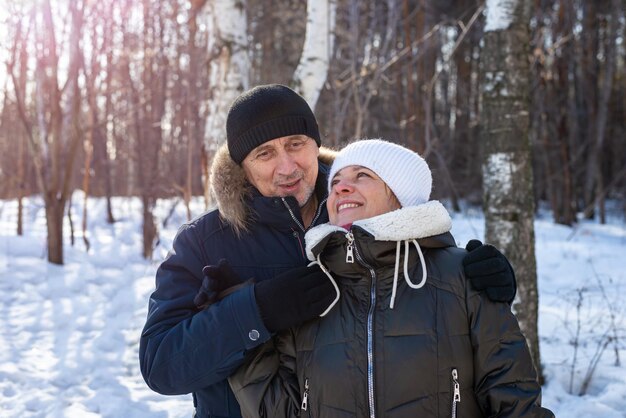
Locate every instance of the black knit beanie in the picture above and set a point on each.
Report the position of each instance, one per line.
(264, 113)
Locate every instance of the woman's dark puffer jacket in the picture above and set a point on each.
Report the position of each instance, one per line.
(442, 351)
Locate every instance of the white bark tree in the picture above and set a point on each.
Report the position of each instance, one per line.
(229, 67)
(310, 75)
(507, 170)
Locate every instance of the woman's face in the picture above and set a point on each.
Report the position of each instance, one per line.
(358, 193)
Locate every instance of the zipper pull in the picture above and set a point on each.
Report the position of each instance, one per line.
(350, 248)
(457, 387)
(305, 397)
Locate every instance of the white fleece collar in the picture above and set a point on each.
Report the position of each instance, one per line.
(408, 223)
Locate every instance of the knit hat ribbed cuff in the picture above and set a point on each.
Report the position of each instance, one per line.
(264, 113)
(276, 128)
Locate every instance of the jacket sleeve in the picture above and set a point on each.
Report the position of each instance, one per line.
(266, 386)
(505, 379)
(183, 349)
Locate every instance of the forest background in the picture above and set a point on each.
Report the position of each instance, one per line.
(127, 98)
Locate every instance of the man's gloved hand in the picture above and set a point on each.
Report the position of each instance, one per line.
(219, 281)
(293, 297)
(488, 269)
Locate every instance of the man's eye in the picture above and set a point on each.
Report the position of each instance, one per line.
(263, 155)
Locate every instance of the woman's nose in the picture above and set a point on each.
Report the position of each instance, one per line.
(342, 187)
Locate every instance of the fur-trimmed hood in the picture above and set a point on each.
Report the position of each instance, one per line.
(232, 191)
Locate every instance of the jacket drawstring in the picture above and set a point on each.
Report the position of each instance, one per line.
(406, 269)
(412, 285)
(325, 270)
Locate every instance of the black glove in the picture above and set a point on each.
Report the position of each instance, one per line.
(219, 281)
(293, 297)
(488, 269)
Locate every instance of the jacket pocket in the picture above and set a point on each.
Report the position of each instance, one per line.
(456, 391)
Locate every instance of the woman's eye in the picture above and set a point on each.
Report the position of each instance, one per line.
(362, 174)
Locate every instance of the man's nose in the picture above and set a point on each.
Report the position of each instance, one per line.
(286, 164)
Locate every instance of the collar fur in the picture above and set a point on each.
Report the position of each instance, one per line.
(412, 222)
(231, 190)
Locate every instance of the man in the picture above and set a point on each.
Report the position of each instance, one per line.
(269, 181)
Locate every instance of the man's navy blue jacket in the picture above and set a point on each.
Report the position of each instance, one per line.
(187, 350)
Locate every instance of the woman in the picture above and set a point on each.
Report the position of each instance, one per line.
(406, 337)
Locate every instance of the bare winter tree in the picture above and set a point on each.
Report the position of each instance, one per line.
(10, 122)
(54, 137)
(366, 45)
(101, 22)
(182, 151)
(507, 171)
(594, 185)
(554, 108)
(154, 72)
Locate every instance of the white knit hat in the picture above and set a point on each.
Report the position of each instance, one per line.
(404, 171)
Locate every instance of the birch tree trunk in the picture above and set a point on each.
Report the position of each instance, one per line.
(310, 75)
(507, 172)
(229, 66)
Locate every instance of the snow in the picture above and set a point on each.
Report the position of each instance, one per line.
(69, 334)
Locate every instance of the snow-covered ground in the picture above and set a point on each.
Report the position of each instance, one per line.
(69, 334)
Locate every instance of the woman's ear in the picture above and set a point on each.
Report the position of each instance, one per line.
(391, 195)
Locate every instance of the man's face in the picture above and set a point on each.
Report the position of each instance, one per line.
(285, 166)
